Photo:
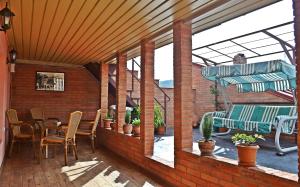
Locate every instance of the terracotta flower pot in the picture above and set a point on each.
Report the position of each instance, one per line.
(113, 125)
(247, 155)
(127, 128)
(107, 123)
(206, 147)
(136, 131)
(160, 130)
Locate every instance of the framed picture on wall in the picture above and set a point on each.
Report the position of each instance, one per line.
(50, 81)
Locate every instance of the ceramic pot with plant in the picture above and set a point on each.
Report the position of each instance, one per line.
(247, 148)
(158, 120)
(127, 127)
(107, 120)
(113, 125)
(207, 145)
(136, 123)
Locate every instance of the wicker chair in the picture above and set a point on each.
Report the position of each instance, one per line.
(91, 132)
(69, 138)
(15, 130)
(38, 116)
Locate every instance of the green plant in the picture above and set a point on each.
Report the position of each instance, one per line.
(158, 117)
(136, 113)
(245, 139)
(207, 128)
(108, 116)
(136, 122)
(127, 116)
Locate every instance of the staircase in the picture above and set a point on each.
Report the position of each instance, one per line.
(133, 91)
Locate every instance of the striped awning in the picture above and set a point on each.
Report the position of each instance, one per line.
(275, 75)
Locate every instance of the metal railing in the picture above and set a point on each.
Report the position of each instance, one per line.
(165, 95)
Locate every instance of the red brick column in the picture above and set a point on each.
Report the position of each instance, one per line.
(147, 96)
(121, 90)
(103, 90)
(296, 7)
(183, 105)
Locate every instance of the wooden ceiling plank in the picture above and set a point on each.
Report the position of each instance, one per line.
(107, 14)
(139, 17)
(84, 13)
(128, 6)
(26, 17)
(182, 14)
(63, 9)
(39, 8)
(158, 22)
(92, 20)
(72, 14)
(76, 27)
(49, 14)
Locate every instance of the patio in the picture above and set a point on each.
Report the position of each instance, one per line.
(68, 58)
(164, 149)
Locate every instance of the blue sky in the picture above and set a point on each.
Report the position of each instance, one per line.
(275, 14)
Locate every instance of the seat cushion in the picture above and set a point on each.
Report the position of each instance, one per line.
(260, 127)
(53, 139)
(22, 135)
(83, 132)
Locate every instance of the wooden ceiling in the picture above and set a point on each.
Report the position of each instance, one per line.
(83, 31)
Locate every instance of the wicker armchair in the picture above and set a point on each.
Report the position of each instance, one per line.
(44, 123)
(91, 132)
(69, 138)
(15, 130)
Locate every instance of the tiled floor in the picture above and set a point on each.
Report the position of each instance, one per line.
(99, 169)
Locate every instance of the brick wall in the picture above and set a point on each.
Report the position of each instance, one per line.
(81, 92)
(4, 94)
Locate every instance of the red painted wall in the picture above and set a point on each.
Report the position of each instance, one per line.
(81, 92)
(4, 92)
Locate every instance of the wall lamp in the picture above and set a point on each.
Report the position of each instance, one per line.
(6, 17)
(12, 59)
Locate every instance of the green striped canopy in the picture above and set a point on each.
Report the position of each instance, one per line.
(276, 75)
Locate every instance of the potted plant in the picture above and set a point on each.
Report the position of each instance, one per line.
(107, 120)
(158, 120)
(113, 125)
(207, 145)
(247, 148)
(127, 127)
(136, 127)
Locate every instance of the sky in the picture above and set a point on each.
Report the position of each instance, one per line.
(272, 15)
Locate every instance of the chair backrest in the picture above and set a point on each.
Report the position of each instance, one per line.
(260, 113)
(74, 121)
(96, 120)
(37, 113)
(12, 117)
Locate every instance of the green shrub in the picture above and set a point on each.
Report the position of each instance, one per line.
(136, 113)
(246, 139)
(207, 128)
(158, 117)
(127, 116)
(108, 116)
(136, 122)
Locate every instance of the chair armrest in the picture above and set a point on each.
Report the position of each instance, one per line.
(220, 114)
(281, 122)
(284, 118)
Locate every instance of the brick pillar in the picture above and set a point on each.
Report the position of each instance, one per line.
(147, 96)
(121, 90)
(103, 90)
(182, 67)
(296, 7)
